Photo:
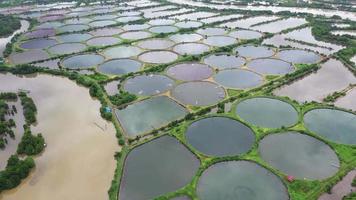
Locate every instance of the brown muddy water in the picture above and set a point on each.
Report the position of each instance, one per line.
(78, 162)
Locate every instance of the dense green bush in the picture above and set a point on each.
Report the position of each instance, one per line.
(15, 171)
(122, 98)
(29, 108)
(8, 25)
(31, 144)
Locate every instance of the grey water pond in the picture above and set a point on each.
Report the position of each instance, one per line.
(268, 66)
(200, 93)
(135, 35)
(108, 31)
(155, 44)
(163, 29)
(220, 136)
(28, 56)
(212, 31)
(254, 51)
(334, 125)
(73, 27)
(299, 56)
(122, 52)
(267, 112)
(191, 48)
(150, 114)
(67, 48)
(158, 57)
(103, 41)
(186, 37)
(74, 37)
(150, 84)
(245, 34)
(143, 167)
(224, 61)
(238, 78)
(119, 66)
(188, 24)
(190, 71)
(219, 41)
(245, 180)
(299, 155)
(158, 22)
(82, 61)
(101, 23)
(40, 43)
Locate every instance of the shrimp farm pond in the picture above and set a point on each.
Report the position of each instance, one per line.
(177, 100)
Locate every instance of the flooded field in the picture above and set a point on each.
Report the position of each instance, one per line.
(79, 135)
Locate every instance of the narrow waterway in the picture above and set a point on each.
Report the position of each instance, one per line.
(78, 162)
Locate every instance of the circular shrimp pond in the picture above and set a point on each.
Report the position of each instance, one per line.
(122, 52)
(334, 125)
(219, 41)
(67, 48)
(267, 112)
(108, 31)
(212, 31)
(38, 43)
(245, 180)
(238, 78)
(103, 41)
(82, 61)
(200, 93)
(224, 61)
(191, 48)
(155, 44)
(128, 19)
(245, 34)
(119, 66)
(145, 176)
(45, 32)
(135, 35)
(254, 51)
(299, 155)
(148, 84)
(102, 23)
(75, 37)
(220, 136)
(135, 27)
(28, 56)
(299, 56)
(186, 37)
(72, 28)
(163, 29)
(269, 66)
(190, 71)
(158, 57)
(159, 22)
(189, 24)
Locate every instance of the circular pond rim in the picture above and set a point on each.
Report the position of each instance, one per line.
(321, 57)
(266, 167)
(171, 96)
(255, 141)
(157, 50)
(222, 54)
(124, 32)
(274, 49)
(105, 61)
(137, 44)
(283, 99)
(96, 37)
(122, 84)
(182, 43)
(240, 69)
(50, 53)
(189, 62)
(60, 63)
(318, 136)
(150, 31)
(272, 58)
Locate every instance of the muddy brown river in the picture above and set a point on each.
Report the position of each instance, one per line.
(78, 162)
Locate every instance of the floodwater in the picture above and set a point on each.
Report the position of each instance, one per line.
(333, 76)
(72, 166)
(3, 41)
(145, 176)
(299, 155)
(348, 101)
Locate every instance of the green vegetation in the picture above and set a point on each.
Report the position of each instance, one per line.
(29, 108)
(15, 171)
(31, 144)
(122, 98)
(6, 125)
(351, 196)
(8, 25)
